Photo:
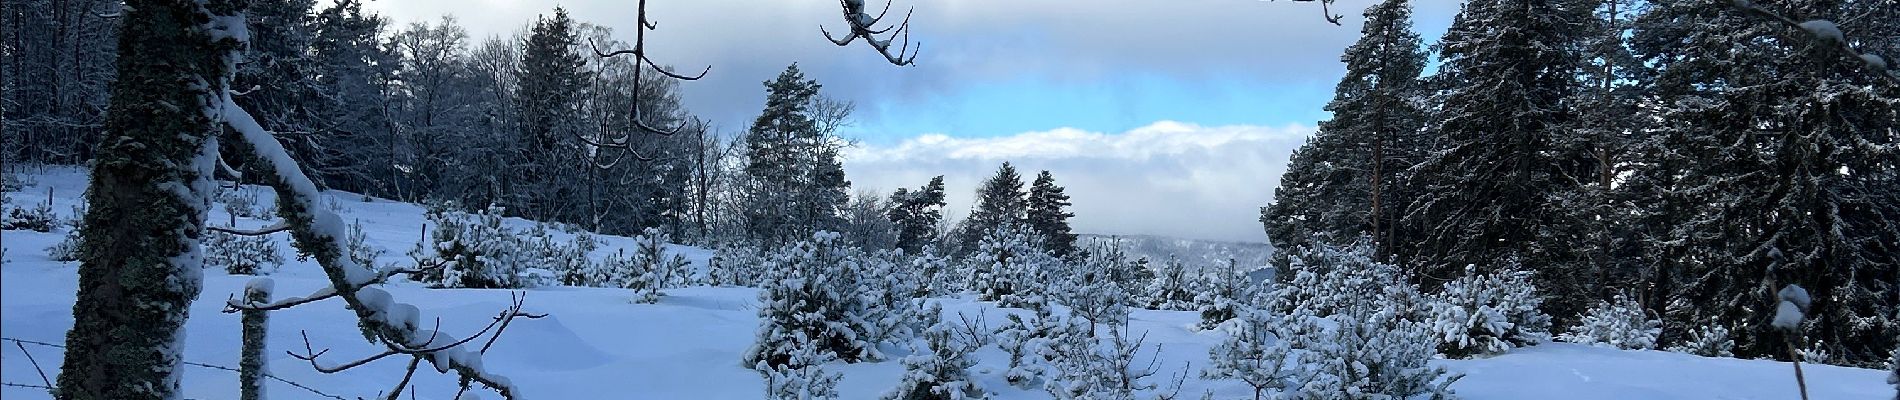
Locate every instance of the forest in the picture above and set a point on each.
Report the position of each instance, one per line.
(1706, 179)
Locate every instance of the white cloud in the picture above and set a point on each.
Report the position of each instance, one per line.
(1167, 178)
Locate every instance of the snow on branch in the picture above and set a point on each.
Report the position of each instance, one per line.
(321, 233)
(865, 26)
(1827, 33)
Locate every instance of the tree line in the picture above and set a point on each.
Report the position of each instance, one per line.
(1686, 154)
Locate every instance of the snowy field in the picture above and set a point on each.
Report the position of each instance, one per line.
(596, 344)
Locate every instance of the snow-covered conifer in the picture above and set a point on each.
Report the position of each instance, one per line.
(812, 292)
(1008, 268)
(1618, 323)
(940, 370)
(68, 247)
(1708, 341)
(802, 375)
(240, 254)
(1085, 287)
(1256, 355)
(1021, 338)
(1225, 293)
(1170, 288)
(38, 218)
(1488, 314)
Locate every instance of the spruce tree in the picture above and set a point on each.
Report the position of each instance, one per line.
(1046, 215)
(1770, 172)
(999, 204)
(1346, 181)
(1493, 185)
(551, 80)
(347, 146)
(140, 264)
(917, 214)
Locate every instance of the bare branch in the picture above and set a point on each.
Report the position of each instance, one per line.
(863, 25)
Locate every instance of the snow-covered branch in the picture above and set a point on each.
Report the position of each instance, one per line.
(320, 233)
(865, 26)
(1827, 33)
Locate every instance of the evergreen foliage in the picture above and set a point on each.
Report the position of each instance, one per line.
(999, 204)
(1619, 323)
(1047, 216)
(1349, 179)
(917, 214)
(1484, 314)
(795, 182)
(1708, 341)
(241, 255)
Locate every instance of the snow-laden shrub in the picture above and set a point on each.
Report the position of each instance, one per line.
(241, 255)
(243, 201)
(813, 291)
(1084, 366)
(67, 250)
(1707, 341)
(1021, 337)
(1619, 323)
(1085, 287)
(1255, 354)
(939, 370)
(1224, 293)
(1010, 267)
(735, 265)
(649, 269)
(356, 247)
(934, 276)
(1170, 289)
(38, 218)
(1355, 330)
(802, 375)
(1488, 314)
(476, 250)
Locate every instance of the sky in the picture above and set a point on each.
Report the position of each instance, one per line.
(1164, 117)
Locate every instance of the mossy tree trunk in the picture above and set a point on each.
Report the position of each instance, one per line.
(140, 264)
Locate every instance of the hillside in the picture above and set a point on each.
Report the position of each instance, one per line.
(596, 344)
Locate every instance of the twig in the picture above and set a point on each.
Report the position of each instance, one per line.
(1800, 381)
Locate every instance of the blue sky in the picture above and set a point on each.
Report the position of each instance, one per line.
(1001, 80)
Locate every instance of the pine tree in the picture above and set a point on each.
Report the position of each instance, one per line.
(796, 183)
(1347, 180)
(1046, 215)
(1765, 173)
(917, 214)
(1494, 185)
(140, 266)
(999, 204)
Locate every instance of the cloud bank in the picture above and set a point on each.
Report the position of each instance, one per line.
(1166, 178)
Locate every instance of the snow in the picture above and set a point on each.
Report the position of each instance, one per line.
(1825, 30)
(596, 344)
(1792, 308)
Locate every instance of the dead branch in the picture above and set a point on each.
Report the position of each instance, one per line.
(864, 26)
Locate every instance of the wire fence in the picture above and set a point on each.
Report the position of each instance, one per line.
(47, 383)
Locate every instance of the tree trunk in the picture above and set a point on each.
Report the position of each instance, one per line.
(140, 266)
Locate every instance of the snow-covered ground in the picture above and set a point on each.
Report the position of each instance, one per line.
(596, 344)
